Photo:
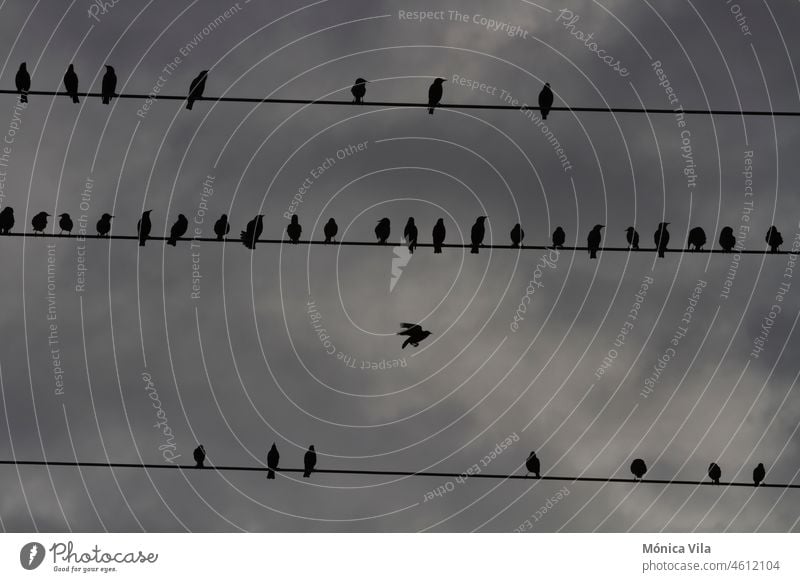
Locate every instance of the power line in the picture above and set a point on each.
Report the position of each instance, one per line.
(523, 107)
(224, 468)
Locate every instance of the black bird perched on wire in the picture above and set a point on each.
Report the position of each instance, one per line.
(309, 461)
(254, 229)
(23, 82)
(697, 238)
(714, 472)
(545, 100)
(726, 239)
(196, 89)
(71, 83)
(414, 333)
(593, 240)
(6, 220)
(178, 230)
(410, 233)
(774, 239)
(222, 227)
(532, 464)
(661, 238)
(517, 235)
(294, 230)
(39, 222)
(435, 94)
(383, 230)
(65, 223)
(143, 227)
(330, 230)
(633, 238)
(109, 85)
(638, 468)
(273, 457)
(199, 456)
(758, 474)
(358, 90)
(439, 232)
(477, 234)
(559, 237)
(104, 224)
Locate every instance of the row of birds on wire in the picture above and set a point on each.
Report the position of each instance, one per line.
(198, 86)
(250, 236)
(532, 465)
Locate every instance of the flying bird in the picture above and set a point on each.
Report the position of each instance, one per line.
(661, 238)
(6, 220)
(254, 229)
(143, 227)
(714, 472)
(435, 94)
(104, 224)
(178, 230)
(414, 333)
(273, 456)
(309, 461)
(726, 239)
(545, 100)
(633, 238)
(439, 232)
(697, 238)
(294, 229)
(383, 230)
(358, 90)
(39, 222)
(199, 456)
(410, 233)
(758, 474)
(774, 239)
(222, 227)
(593, 240)
(196, 89)
(477, 234)
(532, 464)
(331, 229)
(559, 237)
(517, 234)
(71, 84)
(65, 223)
(638, 468)
(23, 81)
(109, 85)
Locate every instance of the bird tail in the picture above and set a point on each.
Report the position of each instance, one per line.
(327, 239)
(172, 242)
(430, 110)
(437, 250)
(544, 115)
(270, 474)
(474, 250)
(75, 99)
(660, 253)
(23, 98)
(405, 343)
(592, 254)
(106, 100)
(189, 104)
(306, 473)
(142, 240)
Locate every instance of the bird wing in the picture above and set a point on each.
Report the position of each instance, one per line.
(409, 329)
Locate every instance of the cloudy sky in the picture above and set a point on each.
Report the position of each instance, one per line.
(163, 348)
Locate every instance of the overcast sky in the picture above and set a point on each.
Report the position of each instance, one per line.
(217, 345)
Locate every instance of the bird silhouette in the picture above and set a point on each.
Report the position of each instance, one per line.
(6, 220)
(39, 222)
(726, 239)
(143, 227)
(758, 474)
(196, 89)
(593, 240)
(661, 238)
(178, 230)
(714, 472)
(774, 239)
(517, 235)
(439, 232)
(109, 85)
(104, 224)
(559, 237)
(358, 90)
(331, 229)
(638, 468)
(23, 82)
(414, 333)
(273, 457)
(294, 229)
(532, 464)
(71, 83)
(477, 234)
(65, 223)
(254, 229)
(383, 230)
(410, 234)
(199, 456)
(309, 461)
(697, 238)
(545, 100)
(633, 238)
(222, 227)
(435, 94)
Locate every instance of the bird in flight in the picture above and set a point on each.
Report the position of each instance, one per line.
(23, 82)
(774, 239)
(196, 89)
(309, 461)
(358, 90)
(545, 100)
(330, 230)
(661, 238)
(714, 472)
(697, 238)
(593, 240)
(39, 222)
(532, 464)
(273, 457)
(65, 223)
(71, 83)
(435, 94)
(414, 334)
(633, 238)
(254, 229)
(559, 237)
(726, 239)
(104, 224)
(109, 85)
(410, 233)
(178, 230)
(222, 227)
(199, 456)
(143, 227)
(6, 220)
(477, 234)
(758, 474)
(439, 232)
(383, 230)
(294, 230)
(638, 468)
(517, 234)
